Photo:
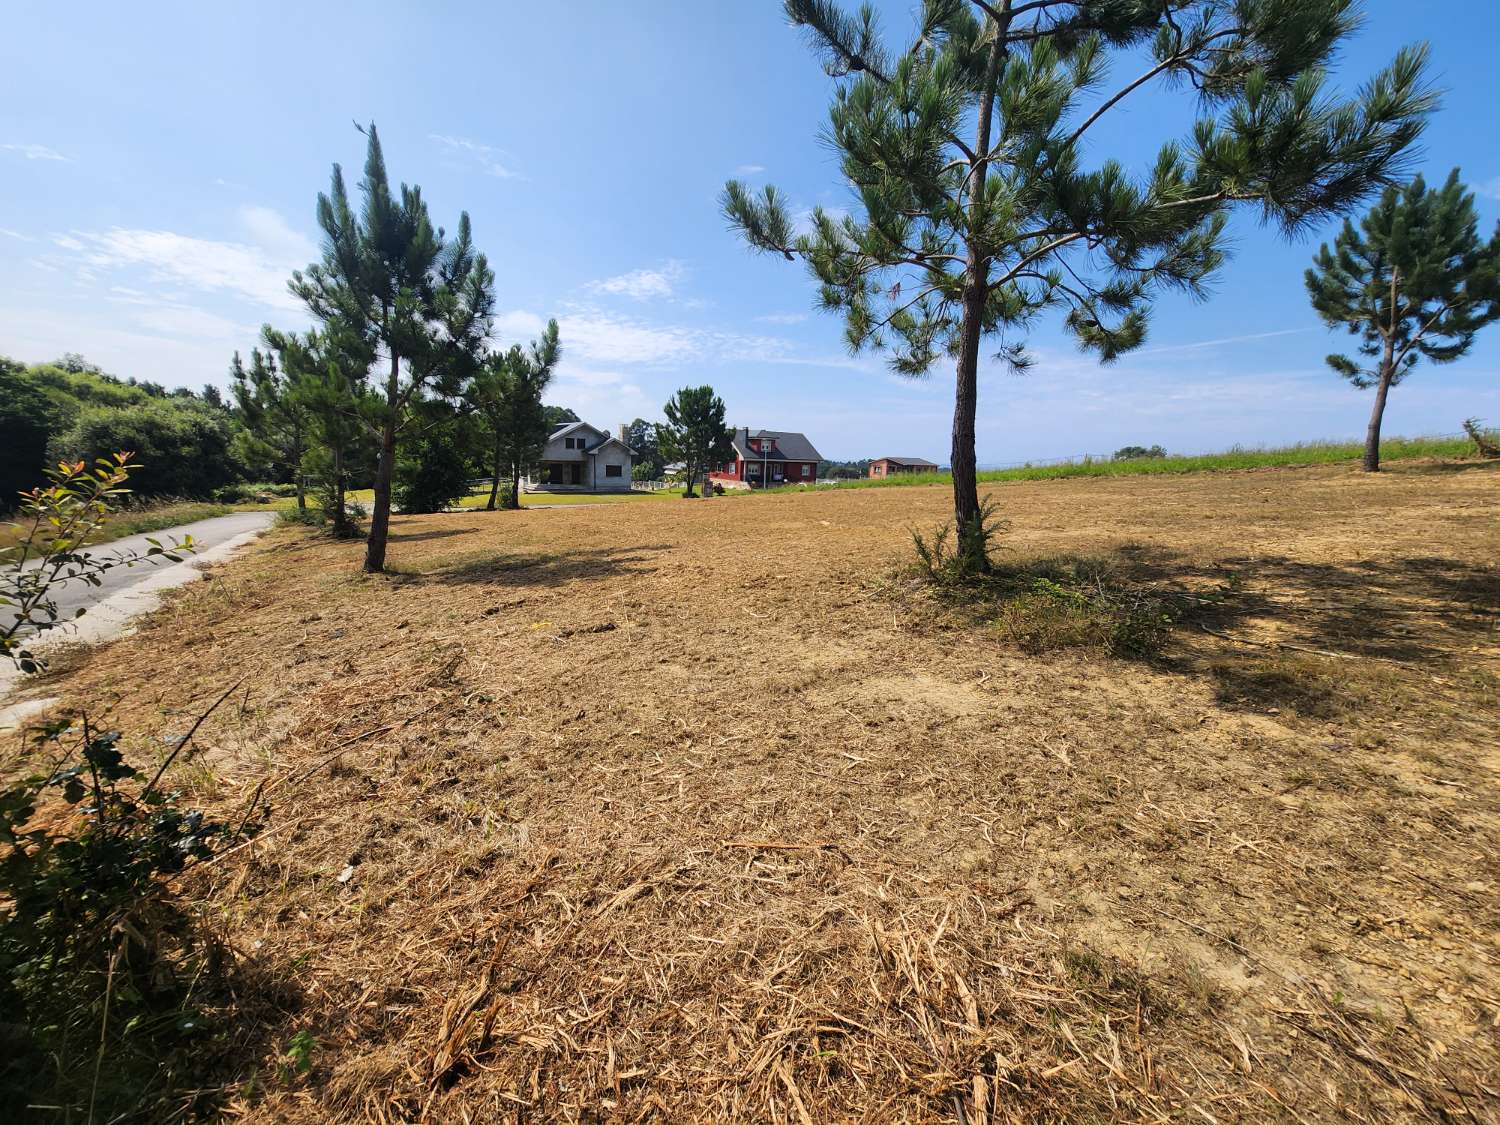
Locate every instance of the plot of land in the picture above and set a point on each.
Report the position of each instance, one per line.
(699, 811)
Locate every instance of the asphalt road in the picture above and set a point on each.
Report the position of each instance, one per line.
(75, 595)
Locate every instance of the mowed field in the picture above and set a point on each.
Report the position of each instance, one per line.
(704, 811)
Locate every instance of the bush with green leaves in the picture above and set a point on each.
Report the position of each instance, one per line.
(1139, 453)
(104, 976)
(185, 448)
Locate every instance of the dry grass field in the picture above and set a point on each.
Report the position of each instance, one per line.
(703, 811)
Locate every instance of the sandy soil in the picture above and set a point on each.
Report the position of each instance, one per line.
(697, 811)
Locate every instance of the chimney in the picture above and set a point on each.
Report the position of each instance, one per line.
(624, 429)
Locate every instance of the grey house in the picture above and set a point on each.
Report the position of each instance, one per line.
(582, 458)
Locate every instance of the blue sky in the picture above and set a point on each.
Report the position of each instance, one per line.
(159, 166)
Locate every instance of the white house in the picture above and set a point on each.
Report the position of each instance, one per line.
(582, 458)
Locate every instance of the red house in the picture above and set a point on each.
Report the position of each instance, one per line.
(765, 458)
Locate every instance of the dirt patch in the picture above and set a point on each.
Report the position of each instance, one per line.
(676, 811)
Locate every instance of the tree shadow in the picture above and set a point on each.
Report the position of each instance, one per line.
(547, 569)
(418, 536)
(1439, 468)
(1410, 610)
(1318, 638)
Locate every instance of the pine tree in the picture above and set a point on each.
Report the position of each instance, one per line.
(695, 433)
(966, 154)
(275, 424)
(1413, 280)
(424, 302)
(507, 392)
(328, 374)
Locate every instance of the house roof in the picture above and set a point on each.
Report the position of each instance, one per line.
(569, 427)
(611, 440)
(908, 461)
(790, 446)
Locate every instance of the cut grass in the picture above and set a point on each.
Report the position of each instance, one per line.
(610, 812)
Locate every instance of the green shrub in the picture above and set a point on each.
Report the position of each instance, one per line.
(249, 492)
(102, 973)
(182, 446)
(947, 559)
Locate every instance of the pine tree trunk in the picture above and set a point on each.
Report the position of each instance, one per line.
(513, 493)
(380, 514)
(1377, 414)
(340, 520)
(298, 475)
(495, 484)
(965, 408)
(976, 287)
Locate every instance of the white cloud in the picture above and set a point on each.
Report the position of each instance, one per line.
(643, 284)
(35, 152)
(268, 230)
(749, 169)
(1169, 348)
(186, 321)
(487, 156)
(783, 318)
(17, 235)
(256, 270)
(1490, 189)
(603, 338)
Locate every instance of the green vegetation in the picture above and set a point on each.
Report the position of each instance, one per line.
(104, 978)
(1414, 281)
(507, 392)
(985, 201)
(420, 299)
(1308, 453)
(70, 410)
(695, 433)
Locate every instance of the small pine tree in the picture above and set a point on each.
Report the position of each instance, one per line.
(425, 303)
(976, 213)
(695, 433)
(507, 392)
(1413, 280)
(328, 372)
(275, 424)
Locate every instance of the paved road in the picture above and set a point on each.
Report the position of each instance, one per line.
(209, 533)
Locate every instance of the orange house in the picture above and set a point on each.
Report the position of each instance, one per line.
(891, 466)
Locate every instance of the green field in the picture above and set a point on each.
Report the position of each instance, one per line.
(1307, 453)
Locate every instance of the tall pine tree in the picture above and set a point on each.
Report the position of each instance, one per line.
(424, 302)
(1415, 279)
(966, 152)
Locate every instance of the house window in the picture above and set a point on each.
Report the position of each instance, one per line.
(807, 470)
(612, 470)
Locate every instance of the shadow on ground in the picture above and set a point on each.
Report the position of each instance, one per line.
(1319, 639)
(418, 536)
(514, 570)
